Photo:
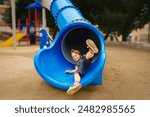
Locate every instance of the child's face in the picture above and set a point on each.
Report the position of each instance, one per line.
(75, 56)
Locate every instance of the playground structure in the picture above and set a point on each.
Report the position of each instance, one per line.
(24, 30)
(9, 41)
(51, 62)
(35, 26)
(45, 39)
(27, 29)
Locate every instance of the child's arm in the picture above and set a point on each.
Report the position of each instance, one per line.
(71, 71)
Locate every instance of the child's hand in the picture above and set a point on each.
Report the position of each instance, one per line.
(68, 71)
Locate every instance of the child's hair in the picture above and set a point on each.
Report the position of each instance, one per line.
(75, 51)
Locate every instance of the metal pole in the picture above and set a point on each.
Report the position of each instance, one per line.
(13, 12)
(35, 18)
(44, 17)
(29, 16)
(149, 32)
(27, 32)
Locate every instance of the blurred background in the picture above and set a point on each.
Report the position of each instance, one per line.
(119, 21)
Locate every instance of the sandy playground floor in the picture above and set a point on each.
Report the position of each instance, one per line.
(126, 76)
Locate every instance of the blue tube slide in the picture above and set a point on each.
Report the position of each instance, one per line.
(52, 62)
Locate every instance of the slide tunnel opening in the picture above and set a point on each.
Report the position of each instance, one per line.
(76, 39)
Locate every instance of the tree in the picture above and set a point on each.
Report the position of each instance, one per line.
(133, 10)
(22, 13)
(119, 16)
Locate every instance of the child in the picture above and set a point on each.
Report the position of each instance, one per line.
(82, 66)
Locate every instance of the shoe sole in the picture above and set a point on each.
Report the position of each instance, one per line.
(92, 45)
(73, 91)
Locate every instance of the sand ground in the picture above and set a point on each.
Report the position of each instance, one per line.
(126, 76)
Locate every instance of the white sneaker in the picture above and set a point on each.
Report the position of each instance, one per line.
(73, 89)
(92, 45)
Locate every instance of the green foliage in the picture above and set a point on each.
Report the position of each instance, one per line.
(121, 16)
(22, 13)
(50, 20)
(7, 16)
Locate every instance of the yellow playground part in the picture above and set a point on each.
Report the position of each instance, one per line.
(9, 41)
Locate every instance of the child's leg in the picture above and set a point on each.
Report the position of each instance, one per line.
(92, 49)
(77, 78)
(89, 55)
(76, 86)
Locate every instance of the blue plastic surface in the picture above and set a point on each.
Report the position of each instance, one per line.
(34, 5)
(64, 12)
(51, 62)
(44, 39)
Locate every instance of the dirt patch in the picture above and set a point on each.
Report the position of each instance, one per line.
(126, 76)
